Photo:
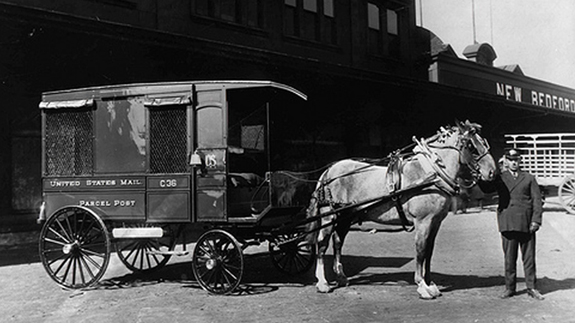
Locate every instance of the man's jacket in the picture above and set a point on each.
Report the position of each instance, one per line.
(519, 201)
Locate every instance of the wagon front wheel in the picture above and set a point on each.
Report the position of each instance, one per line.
(567, 194)
(291, 253)
(75, 247)
(218, 262)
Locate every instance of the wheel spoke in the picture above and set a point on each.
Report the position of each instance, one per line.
(59, 235)
(92, 261)
(55, 242)
(92, 252)
(57, 258)
(67, 219)
(228, 273)
(83, 259)
(69, 238)
(133, 246)
(74, 269)
(62, 264)
(67, 269)
(83, 236)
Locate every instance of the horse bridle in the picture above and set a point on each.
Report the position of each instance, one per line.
(464, 141)
(475, 159)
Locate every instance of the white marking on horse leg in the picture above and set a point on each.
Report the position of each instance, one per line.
(423, 291)
(337, 266)
(322, 284)
(421, 234)
(434, 290)
(321, 248)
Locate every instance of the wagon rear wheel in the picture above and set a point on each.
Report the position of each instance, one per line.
(75, 247)
(218, 262)
(146, 255)
(567, 194)
(291, 253)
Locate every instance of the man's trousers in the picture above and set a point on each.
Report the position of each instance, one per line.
(512, 241)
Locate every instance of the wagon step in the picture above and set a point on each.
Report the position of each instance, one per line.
(168, 253)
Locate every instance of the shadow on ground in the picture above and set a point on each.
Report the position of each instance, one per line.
(20, 254)
(260, 277)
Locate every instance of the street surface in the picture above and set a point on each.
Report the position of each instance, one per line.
(467, 266)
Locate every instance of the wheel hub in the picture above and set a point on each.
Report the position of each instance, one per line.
(211, 263)
(70, 247)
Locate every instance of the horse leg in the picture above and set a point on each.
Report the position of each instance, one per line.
(341, 231)
(432, 289)
(321, 247)
(422, 232)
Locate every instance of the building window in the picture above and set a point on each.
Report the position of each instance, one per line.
(228, 10)
(311, 20)
(244, 12)
(392, 22)
(392, 33)
(310, 5)
(374, 39)
(254, 13)
(383, 30)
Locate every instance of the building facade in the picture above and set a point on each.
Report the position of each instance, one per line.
(364, 65)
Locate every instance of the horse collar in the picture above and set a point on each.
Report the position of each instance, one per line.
(434, 160)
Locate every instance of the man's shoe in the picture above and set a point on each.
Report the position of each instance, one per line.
(508, 293)
(535, 294)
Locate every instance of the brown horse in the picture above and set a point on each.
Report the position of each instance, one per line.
(343, 189)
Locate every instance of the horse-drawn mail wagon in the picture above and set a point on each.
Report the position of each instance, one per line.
(130, 166)
(133, 166)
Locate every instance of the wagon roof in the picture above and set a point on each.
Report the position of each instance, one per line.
(85, 96)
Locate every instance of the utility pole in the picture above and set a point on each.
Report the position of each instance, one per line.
(473, 19)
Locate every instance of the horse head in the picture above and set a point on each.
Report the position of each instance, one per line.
(475, 152)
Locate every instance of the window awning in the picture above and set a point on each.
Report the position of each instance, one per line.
(71, 104)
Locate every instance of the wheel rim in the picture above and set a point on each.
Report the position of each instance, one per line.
(143, 255)
(75, 247)
(567, 194)
(290, 254)
(218, 262)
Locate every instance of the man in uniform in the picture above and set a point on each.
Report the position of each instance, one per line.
(519, 217)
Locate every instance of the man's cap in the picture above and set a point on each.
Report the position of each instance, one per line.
(512, 154)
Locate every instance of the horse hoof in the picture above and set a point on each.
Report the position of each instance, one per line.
(434, 290)
(342, 282)
(323, 288)
(424, 293)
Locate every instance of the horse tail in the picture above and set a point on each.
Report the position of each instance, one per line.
(312, 211)
(318, 196)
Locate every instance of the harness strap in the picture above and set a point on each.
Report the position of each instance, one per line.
(404, 222)
(452, 186)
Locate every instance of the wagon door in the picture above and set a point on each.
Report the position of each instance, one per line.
(210, 152)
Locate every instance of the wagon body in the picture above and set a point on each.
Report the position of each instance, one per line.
(135, 162)
(550, 157)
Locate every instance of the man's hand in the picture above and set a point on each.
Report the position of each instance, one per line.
(534, 227)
